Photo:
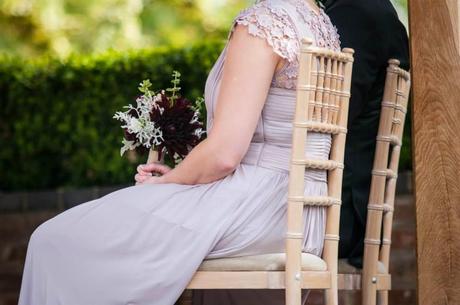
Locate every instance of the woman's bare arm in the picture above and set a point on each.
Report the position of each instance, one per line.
(248, 70)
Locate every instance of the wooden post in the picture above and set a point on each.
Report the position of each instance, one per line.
(297, 184)
(434, 28)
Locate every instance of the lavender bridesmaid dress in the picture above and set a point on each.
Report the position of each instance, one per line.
(142, 244)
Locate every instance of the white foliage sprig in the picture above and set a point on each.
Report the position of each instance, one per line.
(136, 120)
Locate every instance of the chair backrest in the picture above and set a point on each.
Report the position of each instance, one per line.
(385, 170)
(323, 93)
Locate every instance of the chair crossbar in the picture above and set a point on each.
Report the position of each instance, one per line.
(380, 207)
(322, 53)
(372, 241)
(315, 201)
(386, 241)
(388, 173)
(394, 106)
(402, 73)
(319, 164)
(375, 207)
(393, 140)
(310, 88)
(401, 94)
(332, 237)
(322, 201)
(257, 280)
(294, 235)
(324, 105)
(321, 127)
(330, 75)
(388, 208)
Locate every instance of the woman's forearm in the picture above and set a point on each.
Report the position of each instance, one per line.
(204, 164)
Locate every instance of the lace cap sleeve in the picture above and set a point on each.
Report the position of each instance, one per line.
(273, 24)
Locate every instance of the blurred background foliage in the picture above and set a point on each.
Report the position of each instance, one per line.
(68, 65)
(59, 27)
(56, 125)
(32, 28)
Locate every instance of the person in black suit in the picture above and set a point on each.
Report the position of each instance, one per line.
(373, 30)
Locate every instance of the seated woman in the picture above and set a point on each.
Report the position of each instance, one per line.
(142, 244)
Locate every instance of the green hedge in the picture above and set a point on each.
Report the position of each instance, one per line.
(56, 126)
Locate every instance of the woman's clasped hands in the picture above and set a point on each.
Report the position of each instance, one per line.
(151, 173)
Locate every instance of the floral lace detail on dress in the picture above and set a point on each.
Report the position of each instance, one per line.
(273, 23)
(326, 35)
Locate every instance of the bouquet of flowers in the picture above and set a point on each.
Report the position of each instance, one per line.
(164, 123)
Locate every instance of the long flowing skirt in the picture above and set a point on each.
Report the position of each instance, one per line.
(142, 244)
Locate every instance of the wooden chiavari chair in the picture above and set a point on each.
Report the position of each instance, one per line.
(323, 94)
(375, 281)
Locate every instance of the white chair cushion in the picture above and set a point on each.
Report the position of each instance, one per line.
(263, 262)
(345, 268)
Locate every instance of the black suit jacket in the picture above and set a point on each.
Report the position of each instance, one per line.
(373, 30)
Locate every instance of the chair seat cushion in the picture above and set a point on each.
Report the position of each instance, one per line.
(263, 262)
(345, 268)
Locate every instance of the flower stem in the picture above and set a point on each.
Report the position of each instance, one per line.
(176, 88)
(153, 157)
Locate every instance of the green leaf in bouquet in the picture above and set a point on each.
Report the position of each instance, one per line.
(128, 145)
(175, 89)
(144, 87)
(199, 105)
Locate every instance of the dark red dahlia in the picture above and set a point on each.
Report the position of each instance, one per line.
(179, 135)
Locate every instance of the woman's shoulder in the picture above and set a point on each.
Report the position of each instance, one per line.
(270, 20)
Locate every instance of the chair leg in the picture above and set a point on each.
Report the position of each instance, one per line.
(293, 295)
(369, 293)
(331, 297)
(382, 297)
